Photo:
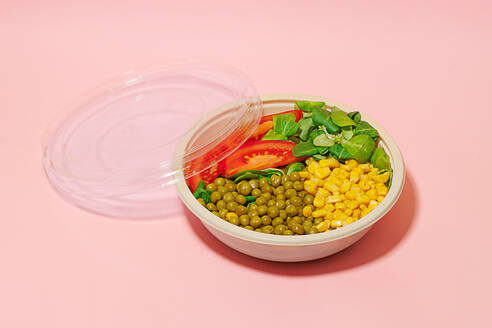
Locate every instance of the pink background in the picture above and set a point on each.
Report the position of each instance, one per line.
(423, 69)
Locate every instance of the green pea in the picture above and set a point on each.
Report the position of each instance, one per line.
(267, 189)
(254, 183)
(281, 197)
(301, 193)
(277, 221)
(275, 180)
(273, 211)
(297, 229)
(309, 218)
(263, 182)
(249, 228)
(253, 214)
(244, 188)
(284, 179)
(298, 185)
(231, 206)
(271, 202)
(267, 229)
(288, 185)
(262, 210)
(280, 204)
(289, 193)
(256, 192)
(220, 181)
(220, 205)
(260, 201)
(258, 230)
(312, 231)
(255, 221)
(230, 187)
(228, 197)
(244, 220)
(294, 176)
(212, 187)
(307, 225)
(279, 190)
(240, 210)
(223, 212)
(233, 219)
(211, 207)
(240, 199)
(267, 196)
(282, 214)
(291, 210)
(222, 190)
(201, 201)
(266, 220)
(215, 196)
(308, 199)
(280, 229)
(216, 213)
(296, 201)
(288, 233)
(253, 207)
(318, 221)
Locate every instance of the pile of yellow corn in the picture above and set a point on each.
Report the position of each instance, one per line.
(343, 193)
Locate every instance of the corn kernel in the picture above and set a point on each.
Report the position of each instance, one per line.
(319, 213)
(333, 198)
(352, 163)
(383, 178)
(356, 214)
(331, 186)
(380, 199)
(371, 183)
(353, 204)
(329, 207)
(336, 224)
(355, 187)
(322, 192)
(312, 167)
(373, 169)
(382, 191)
(323, 226)
(336, 171)
(364, 185)
(309, 160)
(372, 194)
(343, 175)
(345, 167)
(372, 205)
(362, 207)
(364, 212)
(348, 212)
(307, 210)
(319, 201)
(310, 187)
(338, 215)
(322, 172)
(345, 186)
(347, 221)
(372, 175)
(304, 174)
(363, 199)
(333, 179)
(317, 181)
(340, 206)
(379, 185)
(351, 194)
(365, 167)
(329, 162)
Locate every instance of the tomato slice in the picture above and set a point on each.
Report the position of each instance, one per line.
(261, 130)
(259, 155)
(207, 175)
(296, 112)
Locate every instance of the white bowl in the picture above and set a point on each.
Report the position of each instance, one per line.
(304, 247)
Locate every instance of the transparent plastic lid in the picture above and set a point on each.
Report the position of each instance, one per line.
(113, 153)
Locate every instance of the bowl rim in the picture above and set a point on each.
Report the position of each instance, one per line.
(388, 202)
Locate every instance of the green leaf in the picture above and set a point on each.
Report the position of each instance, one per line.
(355, 116)
(201, 192)
(287, 116)
(201, 185)
(320, 116)
(319, 157)
(314, 133)
(337, 151)
(304, 149)
(380, 159)
(305, 125)
(285, 126)
(295, 167)
(255, 174)
(331, 127)
(308, 106)
(323, 141)
(360, 147)
(272, 135)
(250, 199)
(366, 128)
(348, 132)
(340, 118)
(322, 150)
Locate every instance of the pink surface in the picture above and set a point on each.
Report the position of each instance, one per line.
(422, 69)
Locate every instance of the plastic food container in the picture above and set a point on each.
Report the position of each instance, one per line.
(126, 149)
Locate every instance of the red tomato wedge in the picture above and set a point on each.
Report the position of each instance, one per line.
(260, 155)
(261, 130)
(296, 112)
(207, 175)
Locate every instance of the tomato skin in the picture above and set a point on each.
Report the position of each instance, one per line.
(296, 112)
(261, 130)
(259, 155)
(207, 175)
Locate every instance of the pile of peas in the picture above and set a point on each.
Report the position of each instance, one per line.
(278, 208)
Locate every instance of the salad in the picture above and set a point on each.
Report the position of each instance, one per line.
(308, 170)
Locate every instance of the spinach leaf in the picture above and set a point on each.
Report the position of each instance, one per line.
(323, 140)
(284, 126)
(380, 159)
(308, 106)
(331, 127)
(201, 192)
(295, 167)
(340, 118)
(337, 151)
(366, 128)
(355, 116)
(303, 149)
(305, 125)
(347, 132)
(255, 174)
(272, 135)
(360, 147)
(314, 133)
(319, 157)
(320, 116)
